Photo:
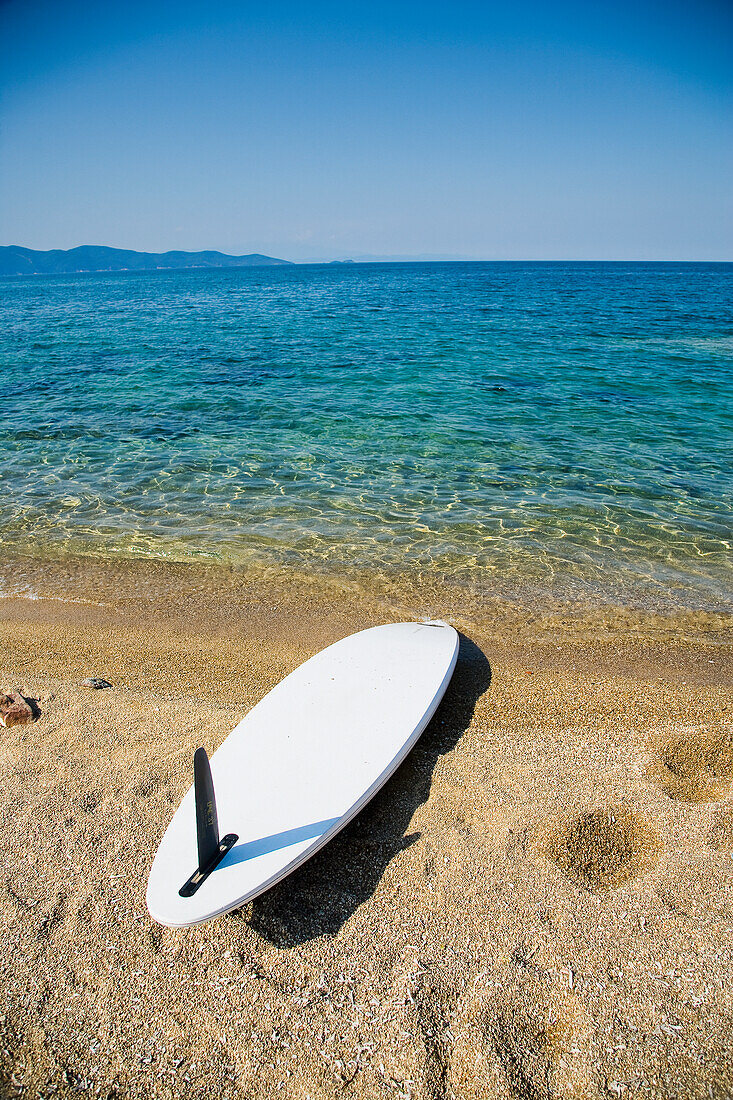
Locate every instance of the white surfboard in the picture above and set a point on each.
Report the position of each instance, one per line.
(303, 763)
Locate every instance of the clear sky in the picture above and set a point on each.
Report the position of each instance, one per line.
(520, 129)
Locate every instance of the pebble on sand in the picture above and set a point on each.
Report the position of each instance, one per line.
(15, 710)
(96, 682)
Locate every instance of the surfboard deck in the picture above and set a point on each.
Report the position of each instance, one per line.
(303, 762)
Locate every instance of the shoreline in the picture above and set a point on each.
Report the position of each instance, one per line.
(170, 587)
(21, 567)
(539, 899)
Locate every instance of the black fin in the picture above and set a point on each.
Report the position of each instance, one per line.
(207, 824)
(211, 850)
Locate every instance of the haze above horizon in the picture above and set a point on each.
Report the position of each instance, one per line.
(490, 131)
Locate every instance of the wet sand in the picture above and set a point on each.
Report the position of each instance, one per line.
(539, 904)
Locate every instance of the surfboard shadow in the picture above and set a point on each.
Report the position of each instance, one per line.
(319, 897)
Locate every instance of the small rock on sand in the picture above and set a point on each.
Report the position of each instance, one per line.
(96, 682)
(15, 710)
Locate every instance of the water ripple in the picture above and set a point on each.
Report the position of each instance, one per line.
(567, 424)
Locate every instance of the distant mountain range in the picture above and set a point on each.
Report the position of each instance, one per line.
(15, 260)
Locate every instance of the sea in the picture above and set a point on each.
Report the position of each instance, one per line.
(522, 428)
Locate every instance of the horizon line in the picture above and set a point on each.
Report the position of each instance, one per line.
(361, 258)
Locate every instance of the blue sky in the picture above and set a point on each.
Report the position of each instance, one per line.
(524, 130)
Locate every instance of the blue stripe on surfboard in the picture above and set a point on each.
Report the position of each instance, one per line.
(241, 853)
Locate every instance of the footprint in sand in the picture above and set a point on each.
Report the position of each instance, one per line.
(541, 1044)
(604, 848)
(696, 767)
(523, 1036)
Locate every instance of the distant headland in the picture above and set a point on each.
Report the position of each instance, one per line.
(15, 260)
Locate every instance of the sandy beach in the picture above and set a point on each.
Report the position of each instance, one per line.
(539, 904)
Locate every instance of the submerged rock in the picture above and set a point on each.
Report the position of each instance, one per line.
(96, 682)
(15, 710)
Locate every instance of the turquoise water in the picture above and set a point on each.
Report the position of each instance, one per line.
(549, 426)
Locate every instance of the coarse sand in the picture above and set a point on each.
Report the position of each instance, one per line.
(538, 905)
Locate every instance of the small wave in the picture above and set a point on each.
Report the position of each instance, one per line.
(25, 592)
(18, 592)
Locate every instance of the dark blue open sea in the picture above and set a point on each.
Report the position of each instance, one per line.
(520, 426)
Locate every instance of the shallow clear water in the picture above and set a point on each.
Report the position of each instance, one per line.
(565, 426)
